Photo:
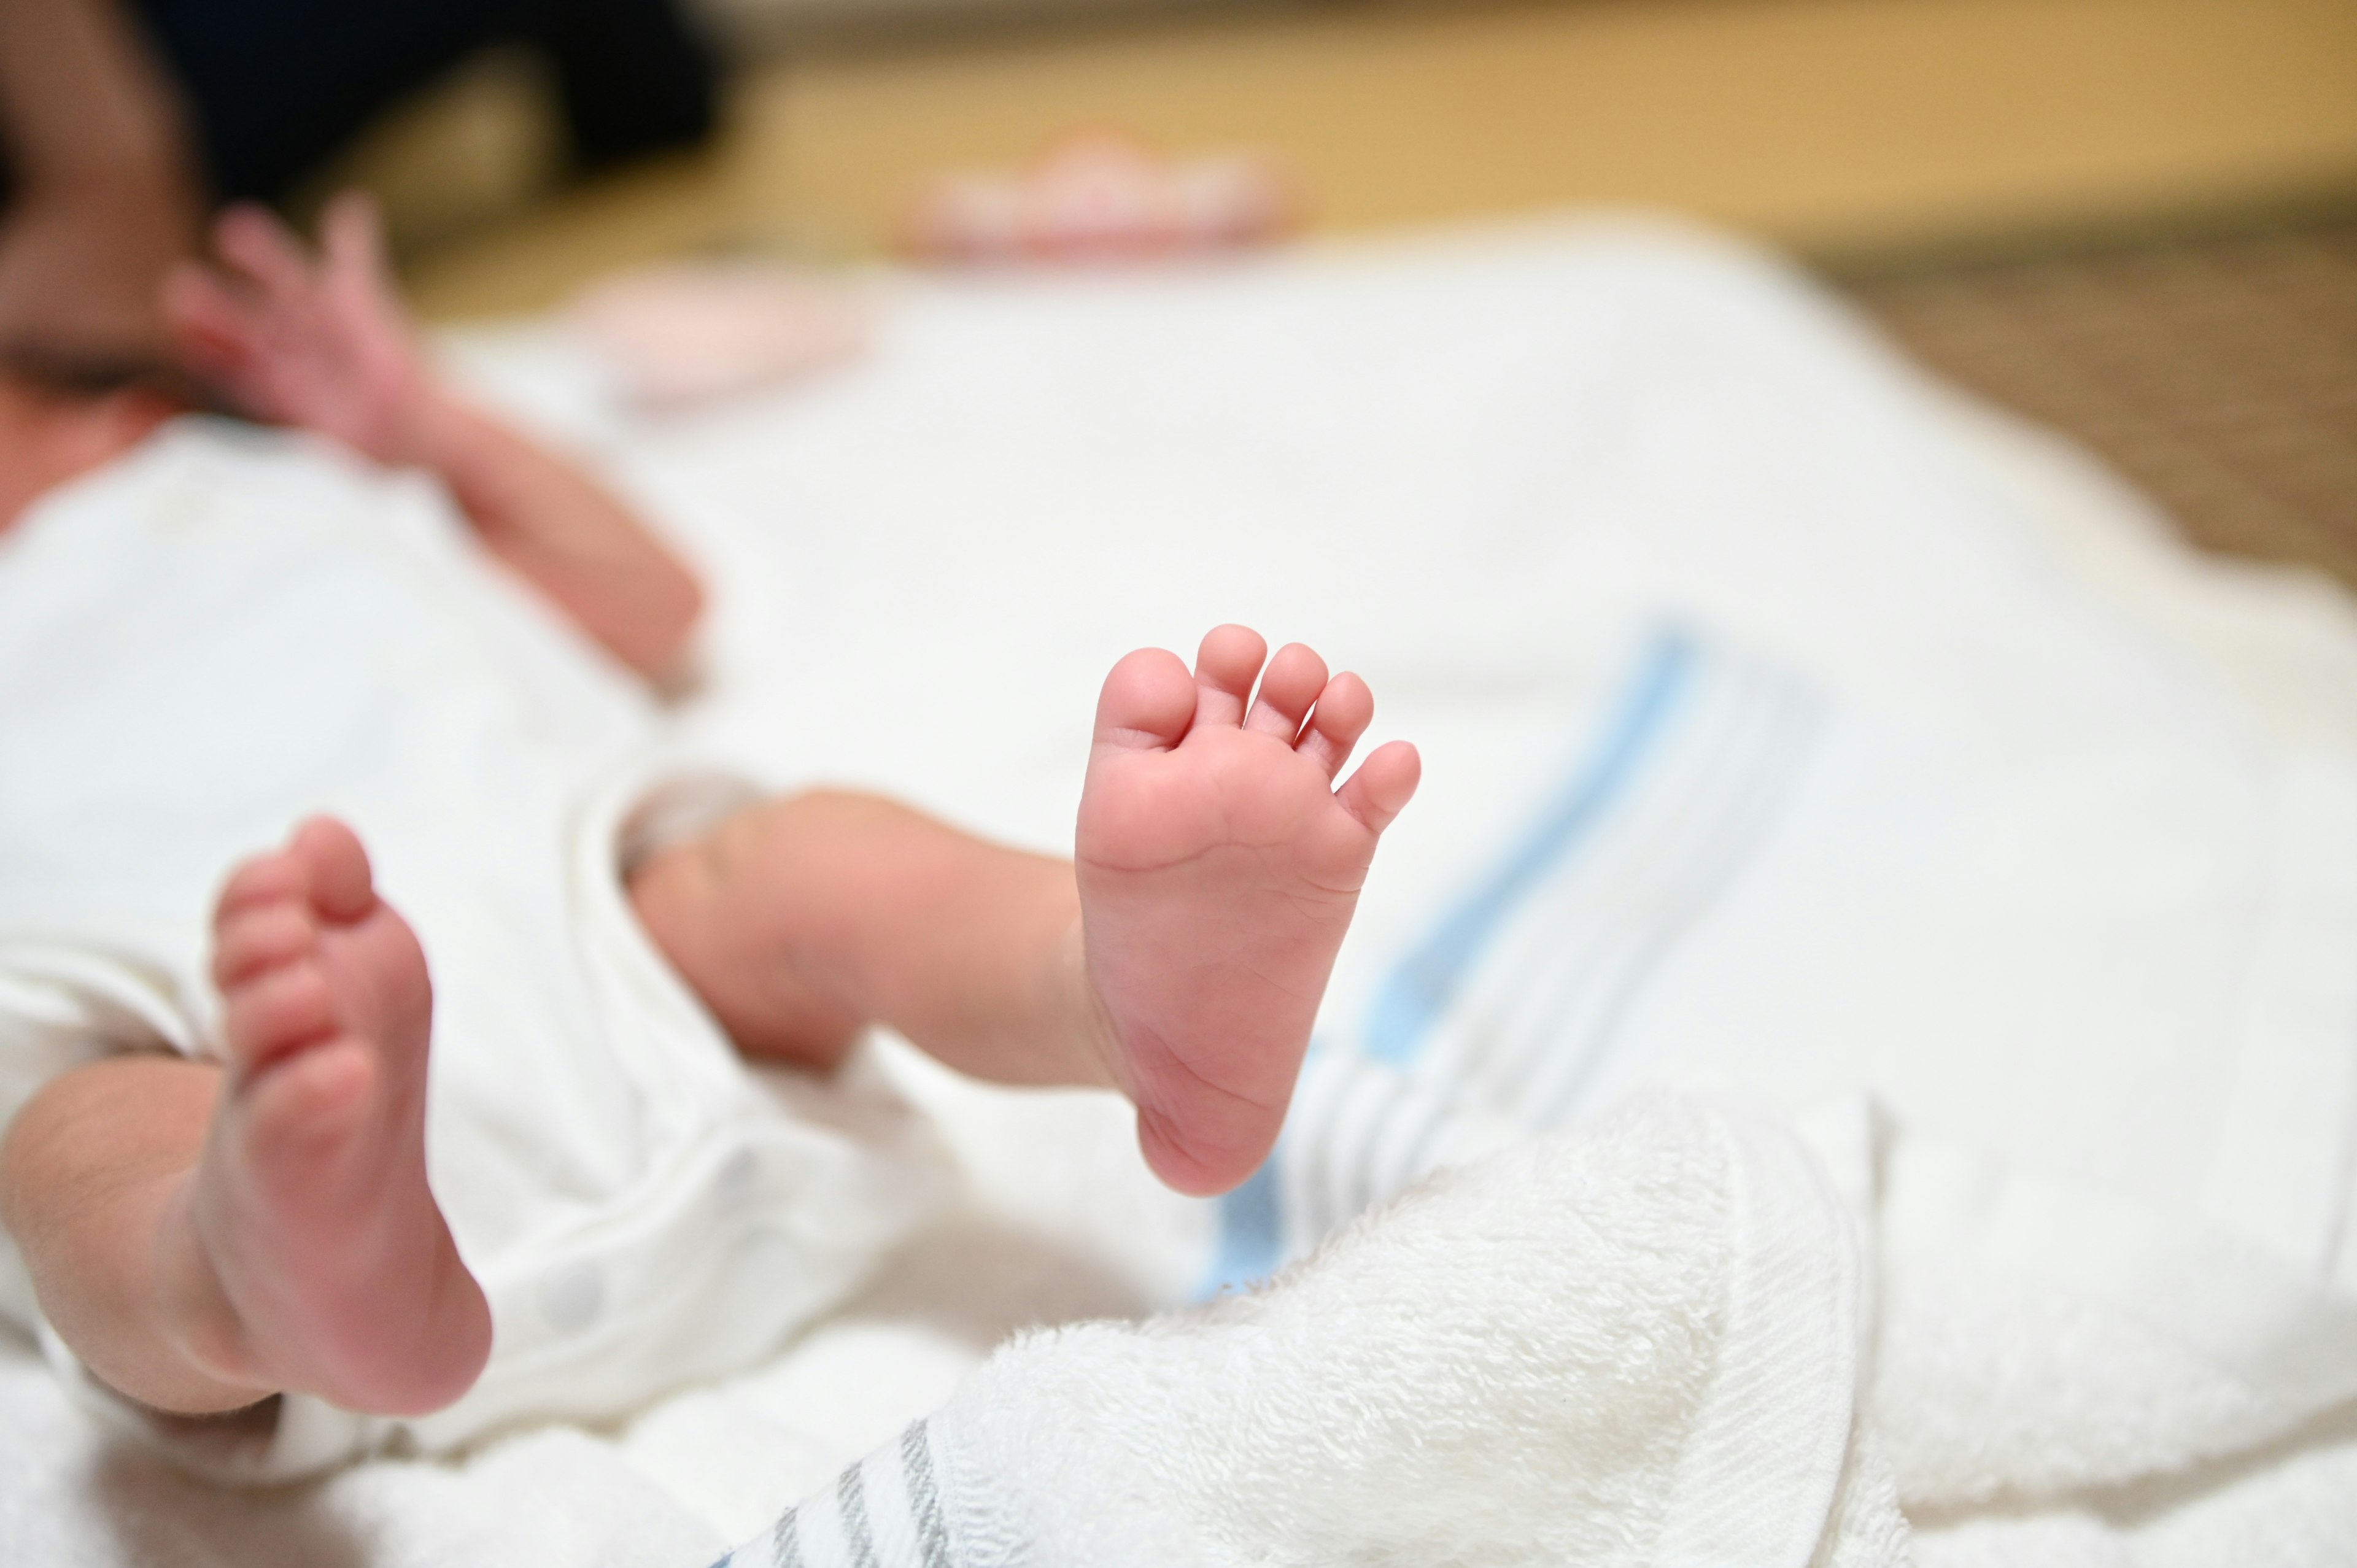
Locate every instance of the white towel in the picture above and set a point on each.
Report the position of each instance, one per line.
(1636, 1346)
(1689, 1334)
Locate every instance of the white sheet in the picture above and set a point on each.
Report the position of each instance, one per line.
(2073, 876)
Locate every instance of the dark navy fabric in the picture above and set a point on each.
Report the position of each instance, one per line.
(277, 86)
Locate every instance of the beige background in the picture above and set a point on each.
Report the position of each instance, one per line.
(1851, 129)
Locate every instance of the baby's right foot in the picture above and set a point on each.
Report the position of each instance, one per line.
(312, 1217)
(1218, 868)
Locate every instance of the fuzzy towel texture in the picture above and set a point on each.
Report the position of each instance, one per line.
(1638, 1345)
(2067, 875)
(1690, 1334)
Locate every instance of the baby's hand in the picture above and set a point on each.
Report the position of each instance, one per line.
(320, 341)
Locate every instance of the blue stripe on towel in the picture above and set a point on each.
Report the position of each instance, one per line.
(1251, 1223)
(1421, 987)
(1251, 1234)
(1513, 1002)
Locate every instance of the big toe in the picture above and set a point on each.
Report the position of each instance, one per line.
(336, 869)
(1148, 702)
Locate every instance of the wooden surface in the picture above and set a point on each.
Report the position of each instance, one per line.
(2218, 375)
(1841, 127)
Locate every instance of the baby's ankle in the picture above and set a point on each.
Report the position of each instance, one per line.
(1090, 1045)
(224, 1367)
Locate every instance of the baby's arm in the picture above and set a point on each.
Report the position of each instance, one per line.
(324, 343)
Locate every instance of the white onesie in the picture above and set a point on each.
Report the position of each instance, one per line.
(229, 631)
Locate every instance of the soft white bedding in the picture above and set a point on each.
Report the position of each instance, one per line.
(2069, 873)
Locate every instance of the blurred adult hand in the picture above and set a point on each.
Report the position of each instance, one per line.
(79, 278)
(319, 340)
(103, 199)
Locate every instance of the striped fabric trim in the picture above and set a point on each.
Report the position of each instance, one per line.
(1533, 1012)
(884, 1512)
(1359, 1131)
(1512, 1007)
(1250, 1240)
(1541, 1011)
(1365, 1131)
(1415, 995)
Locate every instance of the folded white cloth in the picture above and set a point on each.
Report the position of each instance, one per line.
(1636, 1346)
(1690, 1334)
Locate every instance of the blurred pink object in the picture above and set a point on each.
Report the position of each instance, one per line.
(695, 332)
(1103, 196)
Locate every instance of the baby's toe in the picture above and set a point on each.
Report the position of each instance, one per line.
(1382, 786)
(279, 1010)
(1294, 678)
(1225, 667)
(1148, 702)
(336, 869)
(1345, 708)
(259, 936)
(274, 878)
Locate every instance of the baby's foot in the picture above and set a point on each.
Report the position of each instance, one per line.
(1218, 869)
(310, 1202)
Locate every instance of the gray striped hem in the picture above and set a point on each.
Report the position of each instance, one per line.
(924, 1495)
(851, 1496)
(886, 1512)
(785, 1543)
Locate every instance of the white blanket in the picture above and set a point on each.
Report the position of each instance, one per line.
(2069, 873)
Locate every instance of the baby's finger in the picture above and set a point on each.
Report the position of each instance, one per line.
(255, 243)
(213, 331)
(197, 303)
(352, 235)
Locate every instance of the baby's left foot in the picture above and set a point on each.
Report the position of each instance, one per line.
(1219, 867)
(312, 1220)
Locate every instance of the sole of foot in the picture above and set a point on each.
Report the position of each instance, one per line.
(1219, 867)
(310, 1202)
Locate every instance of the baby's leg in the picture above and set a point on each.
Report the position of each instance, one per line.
(204, 1236)
(802, 920)
(1180, 961)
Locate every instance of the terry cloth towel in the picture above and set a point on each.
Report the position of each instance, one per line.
(1693, 1334)
(1638, 1345)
